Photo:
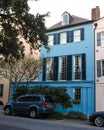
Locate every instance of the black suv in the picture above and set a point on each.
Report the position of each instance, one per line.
(31, 104)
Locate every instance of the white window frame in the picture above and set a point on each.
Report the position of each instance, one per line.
(63, 68)
(77, 67)
(65, 19)
(63, 38)
(77, 35)
(102, 38)
(49, 71)
(77, 93)
(50, 40)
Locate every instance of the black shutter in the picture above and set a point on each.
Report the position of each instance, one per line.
(99, 68)
(56, 38)
(55, 69)
(69, 67)
(82, 34)
(98, 39)
(44, 70)
(70, 36)
(83, 67)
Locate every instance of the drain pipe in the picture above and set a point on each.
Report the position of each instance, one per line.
(95, 26)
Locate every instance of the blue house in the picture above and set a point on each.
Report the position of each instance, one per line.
(70, 61)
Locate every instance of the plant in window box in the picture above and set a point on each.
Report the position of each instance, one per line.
(76, 101)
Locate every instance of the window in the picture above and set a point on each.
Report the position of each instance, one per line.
(1, 90)
(102, 67)
(77, 35)
(77, 67)
(63, 38)
(50, 40)
(63, 68)
(102, 38)
(49, 68)
(65, 19)
(71, 67)
(34, 99)
(22, 99)
(77, 93)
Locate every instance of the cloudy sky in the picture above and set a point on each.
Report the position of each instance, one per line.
(81, 8)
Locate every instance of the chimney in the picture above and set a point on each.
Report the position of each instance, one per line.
(95, 13)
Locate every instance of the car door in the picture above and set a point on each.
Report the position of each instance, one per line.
(21, 105)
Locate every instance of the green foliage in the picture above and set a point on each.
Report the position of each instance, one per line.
(58, 95)
(16, 21)
(56, 115)
(71, 115)
(76, 115)
(19, 91)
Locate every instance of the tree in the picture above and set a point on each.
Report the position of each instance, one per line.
(57, 94)
(25, 69)
(16, 21)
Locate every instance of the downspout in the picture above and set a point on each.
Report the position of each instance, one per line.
(95, 26)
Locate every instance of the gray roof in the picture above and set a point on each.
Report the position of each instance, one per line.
(75, 20)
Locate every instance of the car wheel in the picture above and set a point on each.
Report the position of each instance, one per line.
(99, 121)
(7, 111)
(33, 113)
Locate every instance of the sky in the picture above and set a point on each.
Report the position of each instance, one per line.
(80, 8)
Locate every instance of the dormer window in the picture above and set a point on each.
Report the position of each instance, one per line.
(65, 18)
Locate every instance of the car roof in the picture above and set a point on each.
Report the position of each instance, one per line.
(31, 95)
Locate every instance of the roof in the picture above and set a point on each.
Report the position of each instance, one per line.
(74, 21)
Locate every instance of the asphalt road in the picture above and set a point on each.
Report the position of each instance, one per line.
(6, 127)
(22, 123)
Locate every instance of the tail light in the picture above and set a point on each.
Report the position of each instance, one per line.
(43, 103)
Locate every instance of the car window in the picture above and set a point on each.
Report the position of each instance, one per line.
(35, 98)
(28, 99)
(22, 99)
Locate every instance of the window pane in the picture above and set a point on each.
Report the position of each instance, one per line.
(49, 69)
(50, 40)
(102, 38)
(77, 35)
(1, 90)
(63, 38)
(65, 19)
(63, 68)
(103, 68)
(77, 93)
(77, 67)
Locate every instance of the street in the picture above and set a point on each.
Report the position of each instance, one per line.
(21, 123)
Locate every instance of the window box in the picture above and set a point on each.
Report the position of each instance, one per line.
(76, 101)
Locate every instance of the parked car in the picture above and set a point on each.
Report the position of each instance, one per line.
(31, 104)
(97, 118)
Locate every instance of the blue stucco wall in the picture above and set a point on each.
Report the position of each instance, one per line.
(86, 104)
(87, 47)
